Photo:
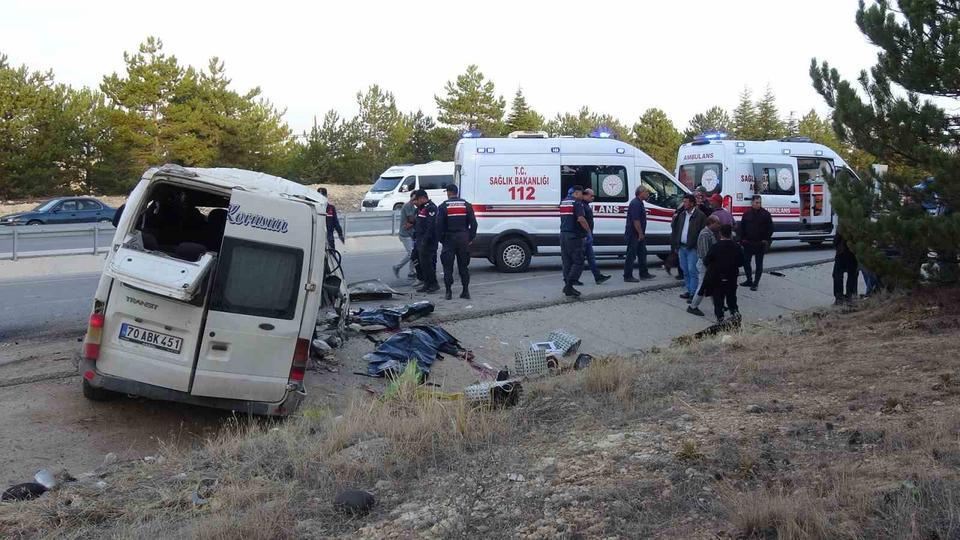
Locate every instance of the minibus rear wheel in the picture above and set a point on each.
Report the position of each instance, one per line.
(513, 255)
(97, 394)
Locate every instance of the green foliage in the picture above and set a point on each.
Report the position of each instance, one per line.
(656, 135)
(585, 121)
(919, 43)
(769, 125)
(713, 119)
(746, 124)
(522, 117)
(471, 103)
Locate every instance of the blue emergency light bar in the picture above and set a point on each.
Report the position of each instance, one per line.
(601, 132)
(471, 134)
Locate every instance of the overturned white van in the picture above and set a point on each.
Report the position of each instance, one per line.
(211, 291)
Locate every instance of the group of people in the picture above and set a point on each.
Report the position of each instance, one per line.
(423, 227)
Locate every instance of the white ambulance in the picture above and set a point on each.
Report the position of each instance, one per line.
(789, 174)
(516, 185)
(394, 186)
(211, 292)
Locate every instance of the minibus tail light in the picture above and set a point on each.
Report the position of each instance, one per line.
(91, 344)
(300, 356)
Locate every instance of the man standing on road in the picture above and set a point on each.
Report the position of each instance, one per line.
(456, 228)
(705, 240)
(408, 215)
(574, 233)
(686, 228)
(717, 209)
(635, 235)
(425, 233)
(756, 232)
(333, 222)
(588, 197)
(723, 264)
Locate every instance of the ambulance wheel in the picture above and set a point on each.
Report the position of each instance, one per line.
(513, 255)
(96, 394)
(397, 206)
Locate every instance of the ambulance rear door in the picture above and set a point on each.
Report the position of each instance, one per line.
(775, 179)
(257, 299)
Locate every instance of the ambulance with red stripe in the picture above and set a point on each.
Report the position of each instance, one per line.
(516, 185)
(790, 174)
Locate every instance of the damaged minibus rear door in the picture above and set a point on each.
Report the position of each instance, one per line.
(257, 299)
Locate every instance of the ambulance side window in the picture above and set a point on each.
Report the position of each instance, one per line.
(663, 192)
(257, 279)
(708, 175)
(608, 182)
(774, 180)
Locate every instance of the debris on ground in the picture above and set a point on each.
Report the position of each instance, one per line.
(505, 393)
(370, 289)
(23, 492)
(354, 502)
(422, 344)
(546, 357)
(389, 318)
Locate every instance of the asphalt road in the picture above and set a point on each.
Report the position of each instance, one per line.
(62, 303)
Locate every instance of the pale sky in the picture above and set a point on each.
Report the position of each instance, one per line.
(620, 58)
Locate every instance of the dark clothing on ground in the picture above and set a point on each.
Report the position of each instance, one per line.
(697, 222)
(845, 262)
(333, 224)
(572, 253)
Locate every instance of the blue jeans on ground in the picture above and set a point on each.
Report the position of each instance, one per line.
(688, 261)
(870, 280)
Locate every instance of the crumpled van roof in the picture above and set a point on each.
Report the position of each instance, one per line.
(253, 181)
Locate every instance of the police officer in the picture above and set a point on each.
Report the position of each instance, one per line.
(333, 222)
(425, 240)
(456, 229)
(574, 231)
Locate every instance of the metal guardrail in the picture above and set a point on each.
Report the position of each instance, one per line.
(355, 224)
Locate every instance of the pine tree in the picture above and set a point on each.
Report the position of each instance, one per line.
(471, 103)
(919, 58)
(714, 119)
(792, 125)
(522, 117)
(769, 124)
(584, 122)
(745, 121)
(656, 135)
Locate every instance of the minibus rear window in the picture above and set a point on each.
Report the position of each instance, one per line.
(435, 181)
(386, 183)
(708, 175)
(257, 279)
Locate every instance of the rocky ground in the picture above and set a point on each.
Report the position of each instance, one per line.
(836, 423)
(346, 198)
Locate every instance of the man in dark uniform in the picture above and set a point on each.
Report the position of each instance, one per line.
(425, 238)
(756, 232)
(635, 236)
(574, 231)
(333, 222)
(456, 229)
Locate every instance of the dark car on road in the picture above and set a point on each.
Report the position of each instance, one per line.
(63, 210)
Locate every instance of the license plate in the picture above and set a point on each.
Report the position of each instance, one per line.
(142, 336)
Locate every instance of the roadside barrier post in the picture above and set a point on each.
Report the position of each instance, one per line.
(96, 236)
(14, 254)
(344, 224)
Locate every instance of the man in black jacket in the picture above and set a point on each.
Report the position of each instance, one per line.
(756, 232)
(723, 263)
(456, 229)
(844, 262)
(426, 241)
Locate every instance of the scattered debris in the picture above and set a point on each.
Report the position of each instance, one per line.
(354, 501)
(564, 342)
(23, 492)
(500, 393)
(583, 360)
(45, 478)
(422, 344)
(109, 459)
(755, 409)
(391, 317)
(515, 477)
(203, 491)
(371, 289)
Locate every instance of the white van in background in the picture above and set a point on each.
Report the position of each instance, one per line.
(789, 174)
(516, 185)
(393, 188)
(211, 292)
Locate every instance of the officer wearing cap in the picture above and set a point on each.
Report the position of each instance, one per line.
(574, 230)
(456, 229)
(425, 238)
